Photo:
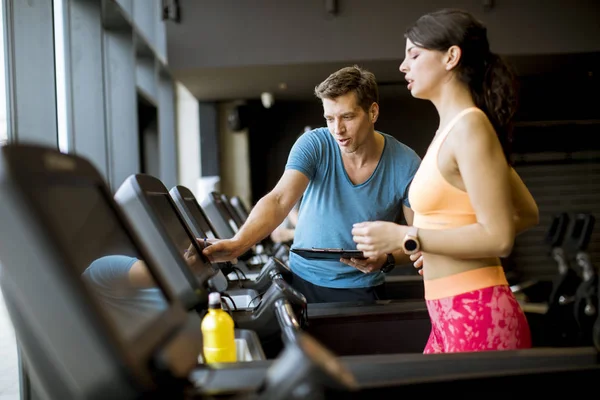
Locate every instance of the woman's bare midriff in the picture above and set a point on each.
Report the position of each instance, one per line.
(436, 266)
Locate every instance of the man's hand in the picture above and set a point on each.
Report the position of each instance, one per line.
(221, 250)
(190, 255)
(366, 265)
(418, 261)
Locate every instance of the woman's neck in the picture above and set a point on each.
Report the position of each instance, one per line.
(452, 98)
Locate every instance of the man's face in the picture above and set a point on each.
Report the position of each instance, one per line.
(349, 124)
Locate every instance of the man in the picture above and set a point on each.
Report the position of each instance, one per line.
(284, 233)
(346, 173)
(126, 290)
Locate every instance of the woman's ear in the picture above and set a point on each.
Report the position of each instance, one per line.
(452, 57)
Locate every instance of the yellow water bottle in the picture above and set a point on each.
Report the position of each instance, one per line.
(218, 333)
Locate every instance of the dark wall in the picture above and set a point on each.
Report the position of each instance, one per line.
(272, 132)
(274, 32)
(572, 123)
(558, 114)
(555, 151)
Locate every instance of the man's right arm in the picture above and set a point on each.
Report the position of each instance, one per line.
(268, 213)
(115, 272)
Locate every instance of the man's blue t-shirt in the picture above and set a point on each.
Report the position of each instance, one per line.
(130, 308)
(332, 204)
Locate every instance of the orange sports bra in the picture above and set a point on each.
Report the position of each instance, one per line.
(436, 203)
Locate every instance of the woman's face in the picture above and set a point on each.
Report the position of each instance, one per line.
(425, 70)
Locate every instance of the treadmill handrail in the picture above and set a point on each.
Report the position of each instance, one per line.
(398, 370)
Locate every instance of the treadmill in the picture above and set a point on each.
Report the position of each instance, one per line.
(266, 246)
(152, 213)
(77, 341)
(240, 207)
(46, 249)
(399, 285)
(223, 226)
(225, 221)
(382, 321)
(156, 219)
(236, 216)
(85, 330)
(200, 226)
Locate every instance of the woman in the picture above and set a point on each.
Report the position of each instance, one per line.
(468, 202)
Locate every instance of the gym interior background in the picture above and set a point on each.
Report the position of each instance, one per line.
(173, 88)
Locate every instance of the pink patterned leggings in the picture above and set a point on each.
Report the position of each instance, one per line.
(481, 320)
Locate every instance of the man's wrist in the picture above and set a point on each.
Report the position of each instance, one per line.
(240, 244)
(389, 264)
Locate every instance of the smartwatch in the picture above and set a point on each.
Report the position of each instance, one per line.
(389, 265)
(411, 243)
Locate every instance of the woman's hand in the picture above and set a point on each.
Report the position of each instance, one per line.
(417, 259)
(376, 238)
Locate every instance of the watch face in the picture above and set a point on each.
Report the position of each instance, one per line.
(410, 245)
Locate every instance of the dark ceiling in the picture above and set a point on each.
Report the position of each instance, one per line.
(299, 80)
(235, 50)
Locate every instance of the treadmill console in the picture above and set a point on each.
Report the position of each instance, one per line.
(92, 312)
(307, 370)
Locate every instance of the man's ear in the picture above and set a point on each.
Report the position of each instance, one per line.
(452, 57)
(374, 112)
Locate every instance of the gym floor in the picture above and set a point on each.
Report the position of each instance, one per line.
(9, 377)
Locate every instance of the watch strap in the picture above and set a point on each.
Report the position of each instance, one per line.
(390, 263)
(412, 231)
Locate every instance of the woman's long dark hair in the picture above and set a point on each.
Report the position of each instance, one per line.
(491, 81)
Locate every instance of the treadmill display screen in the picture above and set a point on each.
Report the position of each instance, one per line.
(199, 218)
(173, 224)
(223, 216)
(233, 214)
(224, 210)
(106, 258)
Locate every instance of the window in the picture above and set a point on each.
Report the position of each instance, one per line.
(61, 83)
(3, 94)
(9, 384)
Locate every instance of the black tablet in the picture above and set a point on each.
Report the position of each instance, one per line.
(316, 253)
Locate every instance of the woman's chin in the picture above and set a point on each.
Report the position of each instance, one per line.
(416, 94)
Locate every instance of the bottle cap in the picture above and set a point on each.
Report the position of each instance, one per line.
(214, 299)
